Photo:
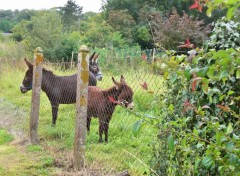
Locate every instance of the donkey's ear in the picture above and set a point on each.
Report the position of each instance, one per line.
(116, 84)
(29, 64)
(91, 57)
(95, 57)
(122, 80)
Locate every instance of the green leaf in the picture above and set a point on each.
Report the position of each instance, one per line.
(229, 129)
(230, 92)
(230, 12)
(202, 72)
(171, 143)
(209, 12)
(136, 127)
(173, 78)
(187, 73)
(238, 74)
(171, 108)
(223, 74)
(199, 145)
(165, 75)
(207, 161)
(183, 143)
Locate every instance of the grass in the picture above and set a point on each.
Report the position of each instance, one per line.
(14, 161)
(123, 147)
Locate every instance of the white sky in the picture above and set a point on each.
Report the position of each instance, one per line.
(88, 5)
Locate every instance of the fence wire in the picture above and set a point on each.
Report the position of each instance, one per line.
(127, 78)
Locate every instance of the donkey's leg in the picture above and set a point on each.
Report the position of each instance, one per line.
(106, 127)
(88, 123)
(54, 112)
(101, 129)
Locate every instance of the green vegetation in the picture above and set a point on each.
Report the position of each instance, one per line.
(13, 161)
(5, 138)
(101, 156)
(186, 122)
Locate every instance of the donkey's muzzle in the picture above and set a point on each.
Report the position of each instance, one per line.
(99, 76)
(23, 89)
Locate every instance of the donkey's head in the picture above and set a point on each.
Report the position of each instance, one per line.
(125, 98)
(27, 81)
(94, 67)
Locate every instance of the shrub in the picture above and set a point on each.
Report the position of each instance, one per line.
(226, 34)
(168, 32)
(199, 129)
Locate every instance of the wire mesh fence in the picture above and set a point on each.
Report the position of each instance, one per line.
(127, 94)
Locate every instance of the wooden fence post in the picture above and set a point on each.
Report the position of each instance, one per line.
(36, 90)
(81, 103)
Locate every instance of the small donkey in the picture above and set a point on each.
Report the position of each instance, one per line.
(102, 103)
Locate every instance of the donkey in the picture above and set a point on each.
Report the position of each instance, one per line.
(102, 103)
(59, 89)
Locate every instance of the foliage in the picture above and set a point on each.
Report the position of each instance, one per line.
(70, 13)
(231, 5)
(5, 26)
(169, 32)
(8, 18)
(122, 21)
(45, 30)
(96, 32)
(199, 132)
(226, 34)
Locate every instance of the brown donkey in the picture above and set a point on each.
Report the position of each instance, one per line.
(102, 103)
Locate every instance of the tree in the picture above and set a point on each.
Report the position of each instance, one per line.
(70, 14)
(5, 26)
(123, 22)
(44, 30)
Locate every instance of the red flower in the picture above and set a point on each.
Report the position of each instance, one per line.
(196, 5)
(187, 44)
(144, 85)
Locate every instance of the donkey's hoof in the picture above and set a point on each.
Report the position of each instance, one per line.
(53, 125)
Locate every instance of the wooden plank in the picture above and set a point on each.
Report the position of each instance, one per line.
(81, 107)
(36, 90)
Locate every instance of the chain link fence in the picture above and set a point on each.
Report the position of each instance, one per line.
(129, 144)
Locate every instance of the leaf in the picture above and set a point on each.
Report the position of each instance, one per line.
(187, 73)
(202, 72)
(230, 12)
(209, 11)
(171, 107)
(199, 145)
(207, 161)
(206, 107)
(173, 78)
(165, 75)
(183, 143)
(230, 92)
(238, 74)
(136, 127)
(223, 74)
(229, 129)
(171, 143)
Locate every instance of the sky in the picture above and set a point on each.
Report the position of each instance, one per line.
(88, 5)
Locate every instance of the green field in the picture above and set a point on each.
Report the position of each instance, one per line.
(125, 150)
